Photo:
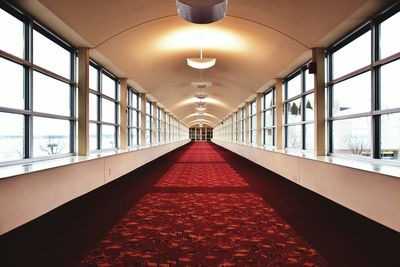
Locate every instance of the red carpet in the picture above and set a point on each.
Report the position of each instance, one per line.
(202, 220)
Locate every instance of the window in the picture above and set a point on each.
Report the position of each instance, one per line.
(37, 90)
(253, 122)
(364, 110)
(103, 108)
(133, 118)
(164, 123)
(268, 117)
(149, 122)
(299, 111)
(236, 116)
(243, 124)
(159, 135)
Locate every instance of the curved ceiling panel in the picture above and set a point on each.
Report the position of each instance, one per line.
(148, 43)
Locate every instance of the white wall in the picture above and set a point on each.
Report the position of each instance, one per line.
(26, 197)
(376, 196)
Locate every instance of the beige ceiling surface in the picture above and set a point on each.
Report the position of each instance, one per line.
(146, 42)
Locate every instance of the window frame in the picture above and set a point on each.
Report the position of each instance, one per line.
(376, 63)
(133, 110)
(243, 124)
(30, 24)
(304, 92)
(265, 109)
(252, 118)
(149, 113)
(99, 98)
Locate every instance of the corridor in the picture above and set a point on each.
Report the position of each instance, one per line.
(200, 205)
(202, 212)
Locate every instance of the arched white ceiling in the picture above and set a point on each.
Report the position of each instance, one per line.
(146, 42)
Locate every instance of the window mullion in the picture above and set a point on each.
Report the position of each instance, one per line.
(375, 93)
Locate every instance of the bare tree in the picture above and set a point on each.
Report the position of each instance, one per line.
(357, 144)
(52, 148)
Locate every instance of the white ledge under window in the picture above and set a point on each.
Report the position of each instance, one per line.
(371, 165)
(8, 171)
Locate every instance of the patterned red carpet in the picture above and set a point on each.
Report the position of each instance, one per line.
(202, 213)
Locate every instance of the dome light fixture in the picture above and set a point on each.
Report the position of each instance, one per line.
(200, 62)
(201, 85)
(200, 11)
(201, 96)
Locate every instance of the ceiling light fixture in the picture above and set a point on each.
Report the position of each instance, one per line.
(201, 96)
(200, 108)
(201, 12)
(201, 63)
(201, 85)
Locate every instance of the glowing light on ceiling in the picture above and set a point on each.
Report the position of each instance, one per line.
(209, 100)
(195, 115)
(201, 63)
(209, 37)
(200, 108)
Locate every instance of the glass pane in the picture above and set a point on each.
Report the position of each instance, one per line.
(268, 136)
(93, 79)
(294, 136)
(269, 101)
(268, 118)
(352, 96)
(310, 136)
(11, 84)
(294, 111)
(11, 137)
(93, 107)
(253, 109)
(148, 108)
(148, 122)
(294, 86)
(51, 56)
(50, 137)
(50, 95)
(135, 101)
(309, 81)
(389, 42)
(309, 100)
(148, 136)
(12, 36)
(133, 135)
(253, 137)
(93, 136)
(353, 56)
(108, 86)
(253, 122)
(352, 137)
(390, 134)
(107, 136)
(108, 111)
(390, 85)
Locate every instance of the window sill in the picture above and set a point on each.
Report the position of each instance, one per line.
(29, 167)
(373, 166)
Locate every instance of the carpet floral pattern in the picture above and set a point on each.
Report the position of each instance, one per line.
(202, 229)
